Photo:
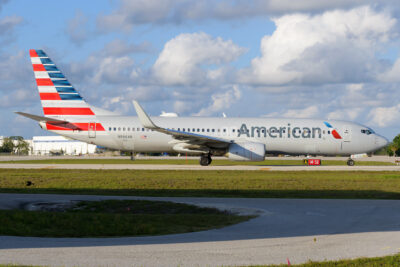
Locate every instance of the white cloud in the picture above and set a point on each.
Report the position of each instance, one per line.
(7, 24)
(221, 101)
(120, 48)
(182, 60)
(336, 46)
(308, 112)
(130, 13)
(349, 114)
(385, 116)
(77, 28)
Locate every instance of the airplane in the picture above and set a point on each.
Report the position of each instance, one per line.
(242, 139)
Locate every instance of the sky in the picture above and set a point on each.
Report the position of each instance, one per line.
(246, 58)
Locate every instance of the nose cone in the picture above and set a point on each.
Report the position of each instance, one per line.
(381, 141)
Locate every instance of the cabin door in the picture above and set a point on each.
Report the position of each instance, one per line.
(92, 130)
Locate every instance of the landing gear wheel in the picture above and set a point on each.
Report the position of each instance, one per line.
(205, 160)
(350, 162)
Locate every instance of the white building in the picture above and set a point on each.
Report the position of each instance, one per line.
(46, 145)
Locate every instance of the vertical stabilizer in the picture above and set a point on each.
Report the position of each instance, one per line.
(59, 98)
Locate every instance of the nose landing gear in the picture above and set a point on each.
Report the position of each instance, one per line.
(350, 162)
(205, 159)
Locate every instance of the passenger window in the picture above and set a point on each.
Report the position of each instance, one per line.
(183, 129)
(208, 130)
(115, 129)
(179, 129)
(212, 130)
(233, 130)
(198, 130)
(202, 130)
(123, 129)
(193, 130)
(142, 129)
(109, 128)
(224, 130)
(119, 128)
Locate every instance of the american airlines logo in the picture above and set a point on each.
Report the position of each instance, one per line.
(280, 132)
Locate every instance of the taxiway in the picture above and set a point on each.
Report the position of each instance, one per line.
(294, 229)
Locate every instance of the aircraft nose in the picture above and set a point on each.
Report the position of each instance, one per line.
(382, 141)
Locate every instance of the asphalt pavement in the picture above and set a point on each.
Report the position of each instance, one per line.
(294, 229)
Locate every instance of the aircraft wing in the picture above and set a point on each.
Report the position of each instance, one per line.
(188, 137)
(52, 121)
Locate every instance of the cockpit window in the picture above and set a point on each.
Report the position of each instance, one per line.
(367, 131)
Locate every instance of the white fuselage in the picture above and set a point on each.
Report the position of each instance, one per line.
(288, 136)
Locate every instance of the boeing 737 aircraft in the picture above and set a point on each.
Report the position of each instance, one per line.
(246, 139)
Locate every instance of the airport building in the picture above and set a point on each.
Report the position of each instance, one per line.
(59, 145)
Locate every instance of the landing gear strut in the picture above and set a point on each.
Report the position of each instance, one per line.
(132, 156)
(350, 162)
(205, 159)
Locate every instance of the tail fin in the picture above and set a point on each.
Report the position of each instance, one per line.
(57, 95)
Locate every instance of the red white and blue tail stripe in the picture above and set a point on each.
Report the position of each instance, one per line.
(59, 98)
(56, 93)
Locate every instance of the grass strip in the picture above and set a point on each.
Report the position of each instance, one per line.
(186, 183)
(388, 261)
(222, 162)
(113, 218)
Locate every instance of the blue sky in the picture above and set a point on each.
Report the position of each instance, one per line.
(303, 59)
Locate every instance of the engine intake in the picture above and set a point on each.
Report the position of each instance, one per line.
(247, 151)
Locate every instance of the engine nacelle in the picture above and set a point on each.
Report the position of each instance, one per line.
(247, 151)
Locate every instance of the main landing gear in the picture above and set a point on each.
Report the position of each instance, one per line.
(350, 162)
(205, 159)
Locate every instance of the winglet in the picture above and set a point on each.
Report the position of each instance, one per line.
(143, 117)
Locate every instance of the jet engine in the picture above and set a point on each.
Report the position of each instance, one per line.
(246, 151)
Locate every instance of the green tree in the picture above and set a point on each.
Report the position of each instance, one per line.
(393, 148)
(8, 146)
(22, 147)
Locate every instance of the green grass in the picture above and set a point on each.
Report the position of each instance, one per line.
(115, 218)
(388, 261)
(222, 162)
(184, 183)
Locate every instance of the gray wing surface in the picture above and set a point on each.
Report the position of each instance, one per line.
(187, 137)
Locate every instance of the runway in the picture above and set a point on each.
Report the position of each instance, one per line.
(197, 167)
(294, 229)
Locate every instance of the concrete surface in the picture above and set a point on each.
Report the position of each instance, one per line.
(297, 229)
(101, 156)
(196, 167)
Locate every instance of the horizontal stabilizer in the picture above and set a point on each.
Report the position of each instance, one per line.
(51, 121)
(40, 118)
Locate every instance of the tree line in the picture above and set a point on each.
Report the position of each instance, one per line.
(15, 145)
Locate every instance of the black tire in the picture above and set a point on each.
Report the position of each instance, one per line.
(350, 162)
(205, 161)
(209, 160)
